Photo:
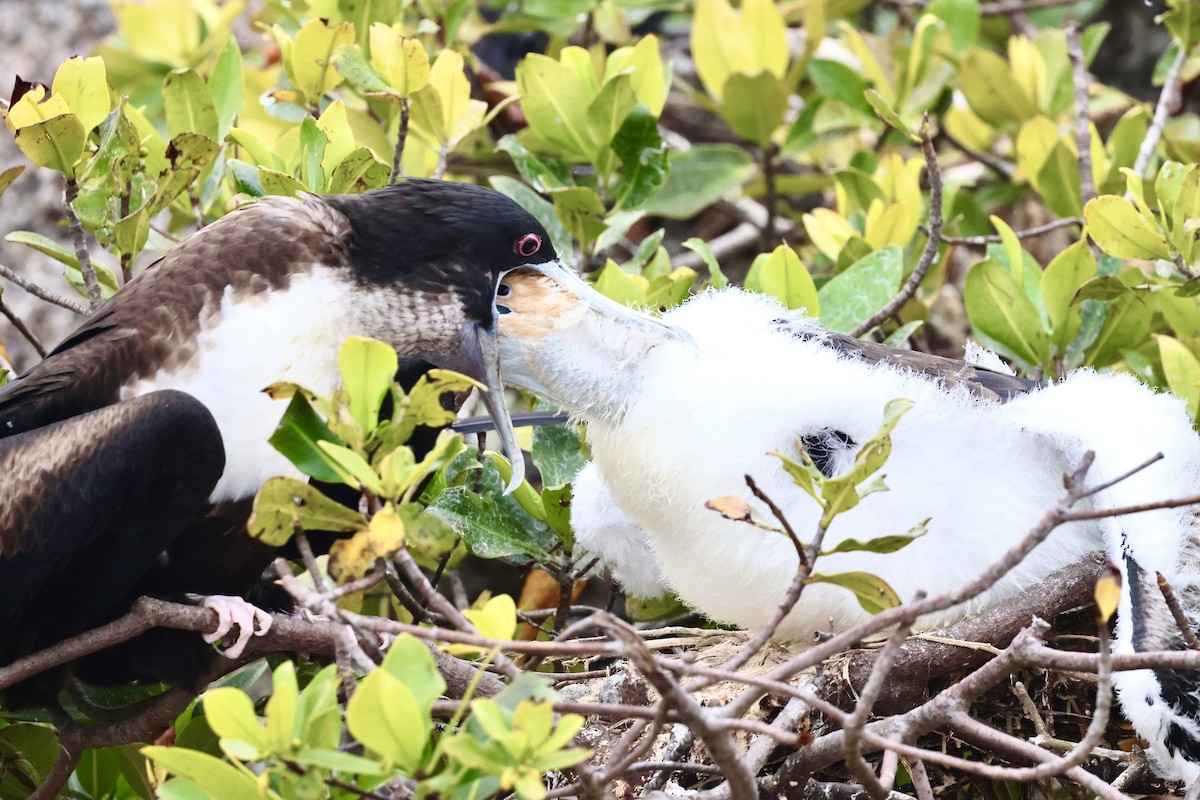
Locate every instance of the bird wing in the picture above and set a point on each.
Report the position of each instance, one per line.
(90, 502)
(981, 382)
(152, 322)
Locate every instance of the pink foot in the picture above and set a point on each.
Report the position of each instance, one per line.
(231, 611)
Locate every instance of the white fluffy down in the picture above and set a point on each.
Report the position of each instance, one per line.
(693, 419)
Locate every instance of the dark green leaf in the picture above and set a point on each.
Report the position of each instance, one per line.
(837, 81)
(643, 157)
(297, 435)
(698, 178)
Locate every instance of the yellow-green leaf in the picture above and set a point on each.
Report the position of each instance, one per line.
(284, 503)
(1119, 230)
(83, 83)
(311, 57)
(872, 592)
(400, 61)
(1182, 371)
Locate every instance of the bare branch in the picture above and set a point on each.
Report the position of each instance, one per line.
(42, 294)
(1083, 119)
(1169, 101)
(22, 329)
(1028, 233)
(401, 138)
(929, 254)
(79, 237)
(1181, 620)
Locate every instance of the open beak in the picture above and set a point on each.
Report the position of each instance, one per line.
(482, 352)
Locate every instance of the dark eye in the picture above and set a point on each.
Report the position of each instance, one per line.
(527, 245)
(503, 290)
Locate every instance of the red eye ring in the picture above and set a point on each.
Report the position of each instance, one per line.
(527, 245)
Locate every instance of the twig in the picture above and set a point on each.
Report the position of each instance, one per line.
(412, 572)
(22, 329)
(349, 636)
(42, 294)
(1181, 620)
(770, 199)
(440, 170)
(79, 238)
(920, 779)
(1083, 117)
(1004, 169)
(818, 653)
(1169, 100)
(727, 244)
(852, 727)
(702, 721)
(993, 238)
(931, 244)
(401, 138)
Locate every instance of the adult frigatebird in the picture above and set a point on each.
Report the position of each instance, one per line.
(130, 455)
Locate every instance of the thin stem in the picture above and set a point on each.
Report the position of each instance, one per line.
(1083, 120)
(1169, 100)
(931, 244)
(43, 294)
(401, 138)
(22, 329)
(1181, 620)
(79, 238)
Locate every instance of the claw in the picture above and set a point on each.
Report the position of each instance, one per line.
(231, 611)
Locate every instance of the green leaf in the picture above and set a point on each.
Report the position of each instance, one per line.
(699, 177)
(336, 761)
(558, 453)
(227, 86)
(83, 83)
(1062, 278)
(281, 708)
(872, 592)
(716, 276)
(486, 529)
(555, 102)
(352, 63)
(754, 106)
(410, 661)
(310, 62)
(1182, 371)
(8, 176)
(43, 244)
(368, 368)
(888, 114)
(991, 89)
(231, 715)
(961, 17)
(284, 503)
(360, 171)
(542, 171)
(615, 283)
(188, 104)
(1000, 310)
(880, 544)
(214, 776)
(383, 714)
(400, 61)
(55, 143)
(1119, 230)
(643, 157)
(782, 275)
(352, 468)
(296, 438)
(274, 182)
(837, 81)
(867, 286)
